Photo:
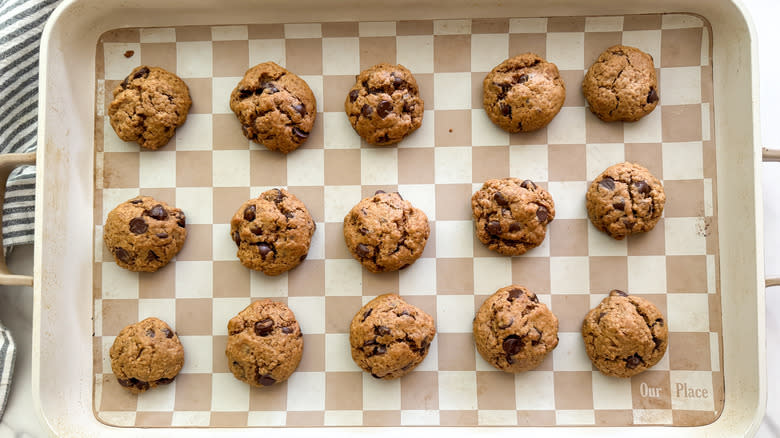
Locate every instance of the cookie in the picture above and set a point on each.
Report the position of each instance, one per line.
(625, 199)
(513, 331)
(511, 215)
(384, 105)
(148, 106)
(276, 108)
(272, 232)
(385, 233)
(621, 85)
(144, 234)
(624, 335)
(390, 337)
(523, 93)
(264, 343)
(146, 354)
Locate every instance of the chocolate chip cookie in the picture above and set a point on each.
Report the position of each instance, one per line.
(385, 233)
(148, 106)
(276, 108)
(511, 215)
(513, 331)
(523, 93)
(146, 354)
(384, 105)
(390, 337)
(272, 232)
(621, 85)
(144, 234)
(624, 335)
(625, 199)
(264, 344)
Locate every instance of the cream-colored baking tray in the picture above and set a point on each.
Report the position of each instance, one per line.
(63, 277)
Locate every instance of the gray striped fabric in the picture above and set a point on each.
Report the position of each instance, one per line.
(21, 23)
(7, 355)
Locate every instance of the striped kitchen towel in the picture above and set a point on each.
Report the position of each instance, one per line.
(21, 24)
(7, 355)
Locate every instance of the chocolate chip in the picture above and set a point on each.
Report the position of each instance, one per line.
(404, 313)
(268, 86)
(182, 222)
(151, 256)
(633, 362)
(513, 294)
(379, 192)
(522, 79)
(237, 238)
(249, 213)
(620, 293)
(164, 381)
(244, 93)
(652, 96)
(300, 133)
(353, 95)
(620, 205)
(493, 227)
(122, 254)
(369, 342)
(512, 345)
(528, 185)
(158, 212)
(506, 110)
(129, 53)
(381, 330)
(397, 82)
(136, 201)
(363, 250)
(142, 73)
(138, 225)
(366, 110)
(302, 258)
(134, 383)
(384, 108)
(162, 235)
(266, 380)
(279, 196)
(167, 332)
(608, 183)
(264, 249)
(287, 330)
(500, 199)
(659, 321)
(509, 359)
(408, 107)
(257, 231)
(515, 227)
(380, 349)
(542, 213)
(150, 333)
(367, 314)
(300, 109)
(264, 327)
(534, 298)
(628, 223)
(642, 187)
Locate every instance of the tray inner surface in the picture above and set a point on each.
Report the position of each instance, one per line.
(209, 169)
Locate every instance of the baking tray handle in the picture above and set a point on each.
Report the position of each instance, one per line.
(9, 162)
(771, 155)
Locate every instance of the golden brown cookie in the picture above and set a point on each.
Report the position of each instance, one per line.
(511, 215)
(276, 108)
(513, 331)
(523, 93)
(148, 106)
(264, 344)
(621, 85)
(625, 199)
(272, 232)
(144, 234)
(385, 233)
(146, 354)
(390, 337)
(624, 335)
(384, 105)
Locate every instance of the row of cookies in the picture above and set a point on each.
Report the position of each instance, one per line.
(277, 109)
(513, 331)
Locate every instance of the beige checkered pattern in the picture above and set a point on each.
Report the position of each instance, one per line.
(209, 169)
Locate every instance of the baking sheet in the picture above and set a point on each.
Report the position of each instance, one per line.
(209, 169)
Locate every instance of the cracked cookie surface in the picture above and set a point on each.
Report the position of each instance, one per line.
(621, 85)
(390, 337)
(144, 234)
(276, 108)
(264, 343)
(511, 215)
(513, 331)
(625, 199)
(385, 233)
(384, 105)
(272, 232)
(523, 93)
(146, 354)
(148, 106)
(624, 335)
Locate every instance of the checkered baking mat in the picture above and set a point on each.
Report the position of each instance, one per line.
(209, 169)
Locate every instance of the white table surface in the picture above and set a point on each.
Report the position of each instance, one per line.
(16, 302)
